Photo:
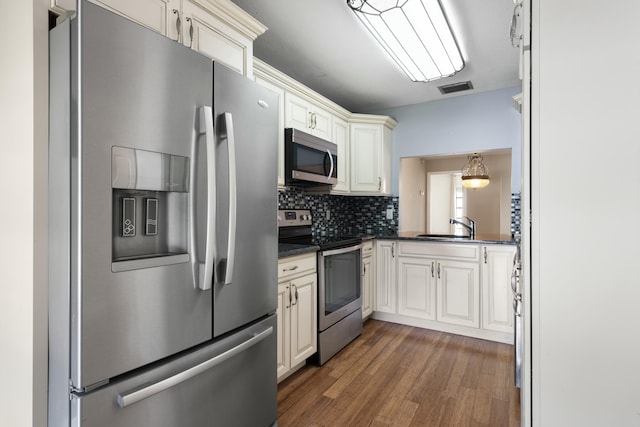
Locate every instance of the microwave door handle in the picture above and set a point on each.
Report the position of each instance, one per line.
(205, 270)
(231, 244)
(331, 169)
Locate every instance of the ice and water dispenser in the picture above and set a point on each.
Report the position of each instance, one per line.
(150, 200)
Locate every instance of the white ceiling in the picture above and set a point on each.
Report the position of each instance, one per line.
(322, 44)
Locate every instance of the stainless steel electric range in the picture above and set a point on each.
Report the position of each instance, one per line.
(339, 281)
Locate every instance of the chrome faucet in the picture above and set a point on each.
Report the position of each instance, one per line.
(471, 227)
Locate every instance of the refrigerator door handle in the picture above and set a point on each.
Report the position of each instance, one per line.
(129, 398)
(231, 244)
(206, 269)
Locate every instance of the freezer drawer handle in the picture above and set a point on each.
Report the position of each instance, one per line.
(127, 399)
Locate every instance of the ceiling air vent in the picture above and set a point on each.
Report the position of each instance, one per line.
(455, 87)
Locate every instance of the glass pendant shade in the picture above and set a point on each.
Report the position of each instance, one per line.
(415, 33)
(475, 174)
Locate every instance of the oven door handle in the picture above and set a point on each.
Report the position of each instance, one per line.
(342, 250)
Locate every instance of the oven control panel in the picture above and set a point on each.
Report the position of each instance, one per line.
(294, 217)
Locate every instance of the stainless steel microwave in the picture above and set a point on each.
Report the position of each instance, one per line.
(309, 160)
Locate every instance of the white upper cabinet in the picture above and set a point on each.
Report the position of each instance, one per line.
(206, 28)
(216, 28)
(370, 154)
(341, 139)
(310, 112)
(307, 117)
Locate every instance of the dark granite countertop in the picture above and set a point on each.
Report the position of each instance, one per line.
(288, 249)
(500, 239)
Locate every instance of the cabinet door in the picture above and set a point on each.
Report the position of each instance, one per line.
(417, 287)
(497, 297)
(307, 117)
(284, 355)
(341, 139)
(367, 286)
(366, 158)
(321, 124)
(458, 292)
(210, 36)
(297, 113)
(385, 299)
(304, 325)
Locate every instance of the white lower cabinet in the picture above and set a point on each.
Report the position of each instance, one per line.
(417, 286)
(458, 293)
(368, 275)
(297, 312)
(385, 295)
(446, 286)
(497, 297)
(446, 291)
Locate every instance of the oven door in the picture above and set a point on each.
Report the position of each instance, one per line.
(339, 284)
(309, 160)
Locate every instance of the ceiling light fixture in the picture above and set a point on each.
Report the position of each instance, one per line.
(475, 174)
(415, 33)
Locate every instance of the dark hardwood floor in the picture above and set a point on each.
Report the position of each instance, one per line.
(396, 375)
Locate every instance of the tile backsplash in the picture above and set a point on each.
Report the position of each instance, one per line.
(355, 215)
(335, 215)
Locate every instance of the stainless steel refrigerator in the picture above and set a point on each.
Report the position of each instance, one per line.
(163, 242)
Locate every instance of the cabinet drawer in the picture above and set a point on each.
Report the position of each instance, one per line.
(440, 250)
(367, 248)
(295, 266)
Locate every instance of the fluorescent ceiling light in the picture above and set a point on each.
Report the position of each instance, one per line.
(415, 33)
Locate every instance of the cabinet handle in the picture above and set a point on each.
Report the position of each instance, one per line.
(364, 269)
(287, 288)
(190, 31)
(296, 291)
(432, 269)
(310, 124)
(393, 250)
(295, 267)
(485, 254)
(178, 24)
(315, 120)
(438, 270)
(379, 183)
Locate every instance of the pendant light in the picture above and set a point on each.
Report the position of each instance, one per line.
(475, 174)
(415, 33)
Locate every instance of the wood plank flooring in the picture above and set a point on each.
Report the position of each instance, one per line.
(396, 375)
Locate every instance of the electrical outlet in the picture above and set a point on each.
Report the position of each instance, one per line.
(389, 213)
(327, 214)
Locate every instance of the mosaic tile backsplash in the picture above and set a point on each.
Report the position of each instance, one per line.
(356, 215)
(348, 215)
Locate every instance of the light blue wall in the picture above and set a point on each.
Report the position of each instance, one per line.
(477, 122)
